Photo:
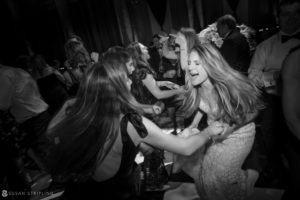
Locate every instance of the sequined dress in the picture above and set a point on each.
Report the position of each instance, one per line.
(217, 167)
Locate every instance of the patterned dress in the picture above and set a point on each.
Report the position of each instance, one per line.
(216, 168)
(155, 173)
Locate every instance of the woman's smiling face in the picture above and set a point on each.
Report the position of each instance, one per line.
(196, 69)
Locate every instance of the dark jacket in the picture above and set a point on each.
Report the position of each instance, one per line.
(236, 51)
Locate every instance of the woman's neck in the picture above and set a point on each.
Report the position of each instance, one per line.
(207, 86)
(208, 96)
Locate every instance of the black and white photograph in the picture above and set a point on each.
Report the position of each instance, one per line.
(150, 99)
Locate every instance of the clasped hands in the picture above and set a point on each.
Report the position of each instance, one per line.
(215, 130)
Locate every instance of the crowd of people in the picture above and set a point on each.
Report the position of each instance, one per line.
(88, 118)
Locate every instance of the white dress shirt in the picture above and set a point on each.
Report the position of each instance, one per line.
(19, 93)
(268, 58)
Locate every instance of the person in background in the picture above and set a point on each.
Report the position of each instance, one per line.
(290, 81)
(93, 140)
(264, 70)
(147, 90)
(226, 96)
(235, 48)
(122, 55)
(155, 53)
(51, 83)
(78, 61)
(19, 94)
(170, 65)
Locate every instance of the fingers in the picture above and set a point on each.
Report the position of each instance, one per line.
(195, 130)
(157, 110)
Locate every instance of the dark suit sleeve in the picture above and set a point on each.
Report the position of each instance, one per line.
(229, 51)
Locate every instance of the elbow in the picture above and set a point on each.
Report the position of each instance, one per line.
(157, 95)
(188, 151)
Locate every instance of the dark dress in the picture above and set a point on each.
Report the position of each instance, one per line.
(155, 58)
(155, 172)
(236, 51)
(138, 89)
(53, 91)
(124, 184)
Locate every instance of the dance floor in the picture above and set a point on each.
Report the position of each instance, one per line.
(268, 187)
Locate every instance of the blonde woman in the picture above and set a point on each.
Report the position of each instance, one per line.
(94, 138)
(228, 97)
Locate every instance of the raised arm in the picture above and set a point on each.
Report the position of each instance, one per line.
(181, 41)
(290, 92)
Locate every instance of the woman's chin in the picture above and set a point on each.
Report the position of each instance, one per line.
(195, 82)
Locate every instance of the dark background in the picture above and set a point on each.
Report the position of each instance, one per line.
(42, 26)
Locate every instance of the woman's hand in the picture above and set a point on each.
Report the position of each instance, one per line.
(215, 129)
(167, 84)
(145, 149)
(158, 107)
(188, 132)
(163, 39)
(257, 78)
(180, 90)
(227, 129)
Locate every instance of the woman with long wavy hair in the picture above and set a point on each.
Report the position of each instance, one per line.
(147, 90)
(121, 54)
(92, 142)
(226, 96)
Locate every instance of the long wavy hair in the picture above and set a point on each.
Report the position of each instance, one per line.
(137, 56)
(91, 125)
(116, 54)
(236, 95)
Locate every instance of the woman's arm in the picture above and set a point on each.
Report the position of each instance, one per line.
(196, 120)
(167, 84)
(181, 41)
(151, 85)
(152, 109)
(170, 142)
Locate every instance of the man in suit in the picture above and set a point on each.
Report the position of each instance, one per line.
(235, 48)
(236, 51)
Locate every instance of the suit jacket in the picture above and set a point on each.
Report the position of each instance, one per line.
(236, 51)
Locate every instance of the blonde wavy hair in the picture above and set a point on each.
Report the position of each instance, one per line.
(236, 95)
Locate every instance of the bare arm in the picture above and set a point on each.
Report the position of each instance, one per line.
(196, 120)
(151, 85)
(172, 143)
(181, 41)
(167, 84)
(290, 92)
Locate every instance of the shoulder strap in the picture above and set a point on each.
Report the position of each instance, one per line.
(136, 121)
